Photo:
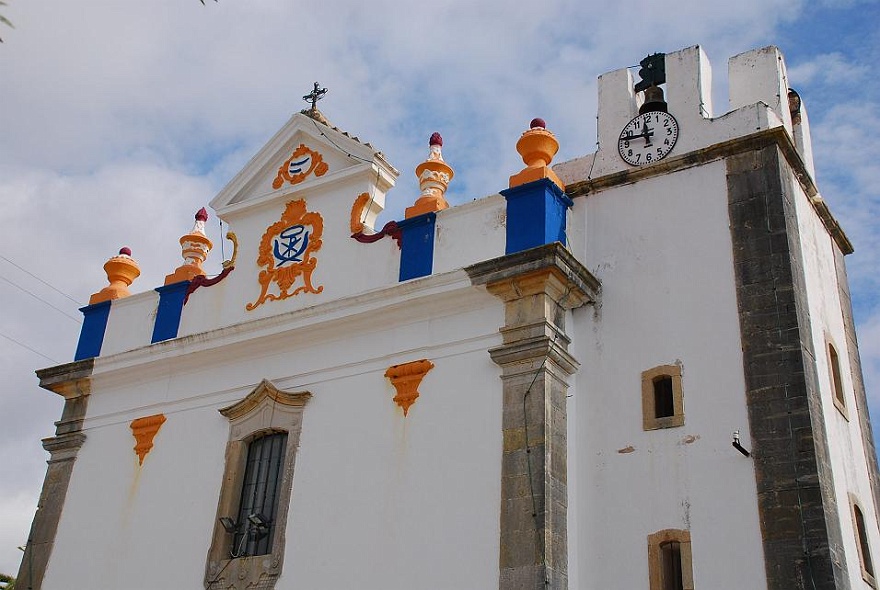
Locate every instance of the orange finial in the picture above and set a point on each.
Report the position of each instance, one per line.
(434, 175)
(121, 271)
(537, 146)
(196, 246)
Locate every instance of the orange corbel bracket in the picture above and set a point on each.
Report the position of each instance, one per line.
(406, 379)
(144, 430)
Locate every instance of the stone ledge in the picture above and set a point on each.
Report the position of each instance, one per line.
(68, 380)
(554, 257)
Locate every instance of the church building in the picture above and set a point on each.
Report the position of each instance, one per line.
(633, 370)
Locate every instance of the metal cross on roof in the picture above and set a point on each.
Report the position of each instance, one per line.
(315, 95)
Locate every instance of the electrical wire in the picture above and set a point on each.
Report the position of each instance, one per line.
(330, 139)
(540, 539)
(26, 271)
(373, 191)
(23, 345)
(596, 153)
(35, 296)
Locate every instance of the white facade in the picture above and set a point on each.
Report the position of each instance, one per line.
(383, 498)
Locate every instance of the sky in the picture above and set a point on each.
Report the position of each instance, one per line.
(119, 119)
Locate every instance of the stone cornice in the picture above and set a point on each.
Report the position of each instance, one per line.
(69, 380)
(555, 258)
(774, 136)
(399, 303)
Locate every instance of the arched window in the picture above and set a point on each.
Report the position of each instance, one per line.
(669, 560)
(260, 491)
(662, 401)
(836, 381)
(867, 564)
(247, 548)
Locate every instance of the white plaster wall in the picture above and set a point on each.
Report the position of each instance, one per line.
(404, 502)
(848, 455)
(130, 324)
(662, 250)
(470, 233)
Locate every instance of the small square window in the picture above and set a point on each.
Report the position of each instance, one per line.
(662, 401)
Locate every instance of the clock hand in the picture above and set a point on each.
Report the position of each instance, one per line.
(647, 133)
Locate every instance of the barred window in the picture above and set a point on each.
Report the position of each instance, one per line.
(247, 547)
(259, 495)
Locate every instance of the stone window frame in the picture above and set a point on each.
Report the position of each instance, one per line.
(838, 391)
(649, 419)
(266, 409)
(861, 536)
(655, 567)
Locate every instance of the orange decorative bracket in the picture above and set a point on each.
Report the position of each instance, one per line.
(144, 430)
(406, 379)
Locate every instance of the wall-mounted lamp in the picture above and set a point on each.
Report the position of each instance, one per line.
(738, 446)
(228, 524)
(260, 522)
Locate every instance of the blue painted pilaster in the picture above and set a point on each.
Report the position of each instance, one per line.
(91, 337)
(417, 246)
(536, 215)
(170, 307)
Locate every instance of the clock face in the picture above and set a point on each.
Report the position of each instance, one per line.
(648, 138)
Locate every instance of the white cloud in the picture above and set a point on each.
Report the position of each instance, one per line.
(828, 68)
(120, 119)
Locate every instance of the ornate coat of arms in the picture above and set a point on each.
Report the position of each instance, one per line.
(287, 254)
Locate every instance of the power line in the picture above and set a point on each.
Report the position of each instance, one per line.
(26, 271)
(35, 296)
(11, 339)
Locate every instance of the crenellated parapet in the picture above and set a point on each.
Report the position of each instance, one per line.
(758, 101)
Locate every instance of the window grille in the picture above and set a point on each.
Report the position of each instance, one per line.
(259, 495)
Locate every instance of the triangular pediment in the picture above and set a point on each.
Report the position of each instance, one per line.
(304, 154)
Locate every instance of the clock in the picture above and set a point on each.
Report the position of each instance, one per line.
(648, 138)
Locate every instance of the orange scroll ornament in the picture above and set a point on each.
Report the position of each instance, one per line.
(287, 253)
(302, 162)
(358, 209)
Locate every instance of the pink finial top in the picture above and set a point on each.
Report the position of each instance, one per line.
(125, 251)
(436, 139)
(537, 123)
(202, 215)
